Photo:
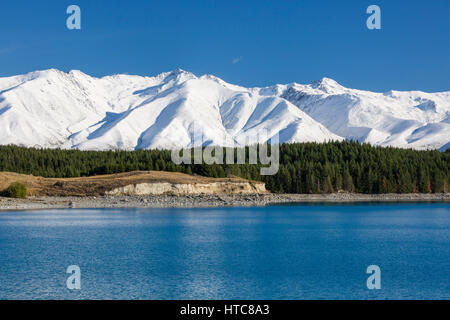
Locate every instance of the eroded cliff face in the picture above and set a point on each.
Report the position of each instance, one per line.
(160, 188)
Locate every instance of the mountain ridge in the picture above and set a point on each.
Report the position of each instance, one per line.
(54, 109)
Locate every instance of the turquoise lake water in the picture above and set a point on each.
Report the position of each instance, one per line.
(304, 251)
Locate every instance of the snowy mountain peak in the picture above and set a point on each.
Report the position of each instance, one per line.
(40, 73)
(177, 74)
(325, 82)
(50, 108)
(78, 73)
(327, 85)
(178, 71)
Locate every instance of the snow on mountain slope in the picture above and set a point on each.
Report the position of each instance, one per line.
(73, 110)
(403, 119)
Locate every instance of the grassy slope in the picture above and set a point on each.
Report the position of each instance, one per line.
(97, 185)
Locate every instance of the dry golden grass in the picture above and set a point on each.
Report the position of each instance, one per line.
(98, 185)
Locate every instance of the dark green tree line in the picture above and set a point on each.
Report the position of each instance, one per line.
(304, 167)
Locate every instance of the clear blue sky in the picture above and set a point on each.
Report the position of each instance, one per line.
(251, 43)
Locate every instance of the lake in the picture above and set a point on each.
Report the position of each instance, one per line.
(299, 251)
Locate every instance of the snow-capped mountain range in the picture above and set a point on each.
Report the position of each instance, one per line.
(74, 110)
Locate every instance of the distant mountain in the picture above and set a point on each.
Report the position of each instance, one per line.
(73, 110)
(411, 119)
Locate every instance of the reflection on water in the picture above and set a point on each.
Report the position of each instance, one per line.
(275, 252)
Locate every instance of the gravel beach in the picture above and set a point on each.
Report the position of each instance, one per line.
(204, 201)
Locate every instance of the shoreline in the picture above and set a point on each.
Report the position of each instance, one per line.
(208, 201)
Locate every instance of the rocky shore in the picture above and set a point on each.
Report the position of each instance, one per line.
(204, 201)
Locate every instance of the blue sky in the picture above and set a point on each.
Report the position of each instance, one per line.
(251, 43)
